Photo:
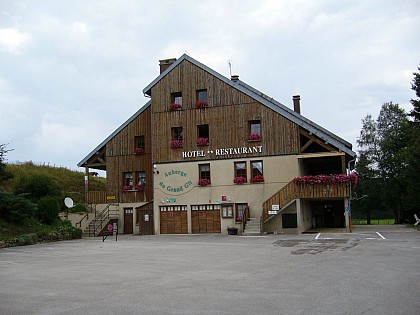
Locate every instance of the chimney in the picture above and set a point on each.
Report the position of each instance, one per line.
(234, 77)
(296, 103)
(165, 63)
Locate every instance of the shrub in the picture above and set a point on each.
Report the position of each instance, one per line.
(37, 186)
(16, 208)
(48, 209)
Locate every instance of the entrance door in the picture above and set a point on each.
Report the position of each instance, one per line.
(145, 219)
(128, 220)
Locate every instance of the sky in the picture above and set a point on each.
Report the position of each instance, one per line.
(72, 71)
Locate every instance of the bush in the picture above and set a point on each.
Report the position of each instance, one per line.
(77, 209)
(16, 208)
(37, 186)
(48, 209)
(66, 227)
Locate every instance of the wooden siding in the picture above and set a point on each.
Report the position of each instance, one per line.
(121, 158)
(227, 115)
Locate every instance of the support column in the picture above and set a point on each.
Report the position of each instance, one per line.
(86, 184)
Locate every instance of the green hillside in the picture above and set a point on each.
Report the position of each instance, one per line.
(70, 182)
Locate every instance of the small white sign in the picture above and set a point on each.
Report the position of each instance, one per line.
(272, 212)
(146, 217)
(275, 207)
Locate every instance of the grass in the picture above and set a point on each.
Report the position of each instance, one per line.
(372, 221)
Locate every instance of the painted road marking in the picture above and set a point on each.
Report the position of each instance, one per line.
(317, 236)
(381, 235)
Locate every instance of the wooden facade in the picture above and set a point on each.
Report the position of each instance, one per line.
(227, 114)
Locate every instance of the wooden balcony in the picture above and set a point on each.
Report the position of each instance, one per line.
(96, 197)
(294, 190)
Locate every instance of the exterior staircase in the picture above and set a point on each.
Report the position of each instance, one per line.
(99, 224)
(252, 227)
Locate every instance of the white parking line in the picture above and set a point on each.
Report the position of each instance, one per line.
(317, 236)
(381, 235)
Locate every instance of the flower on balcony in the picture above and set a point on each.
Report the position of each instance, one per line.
(138, 150)
(257, 179)
(240, 180)
(204, 182)
(176, 144)
(202, 141)
(254, 137)
(200, 104)
(127, 187)
(328, 179)
(139, 187)
(175, 106)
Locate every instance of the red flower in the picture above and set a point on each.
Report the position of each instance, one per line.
(175, 106)
(239, 180)
(176, 144)
(202, 141)
(257, 179)
(204, 182)
(254, 137)
(200, 104)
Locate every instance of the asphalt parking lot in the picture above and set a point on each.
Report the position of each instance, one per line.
(374, 270)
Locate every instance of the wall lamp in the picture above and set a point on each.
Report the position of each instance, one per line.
(155, 171)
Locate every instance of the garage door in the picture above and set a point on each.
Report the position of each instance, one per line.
(205, 219)
(173, 220)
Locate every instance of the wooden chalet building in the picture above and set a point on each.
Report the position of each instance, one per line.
(206, 153)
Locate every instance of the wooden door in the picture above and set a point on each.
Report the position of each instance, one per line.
(128, 220)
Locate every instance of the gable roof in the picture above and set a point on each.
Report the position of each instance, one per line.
(278, 107)
(112, 135)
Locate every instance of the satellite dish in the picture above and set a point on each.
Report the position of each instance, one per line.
(68, 202)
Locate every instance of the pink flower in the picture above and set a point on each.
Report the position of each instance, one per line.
(204, 182)
(254, 137)
(200, 104)
(240, 180)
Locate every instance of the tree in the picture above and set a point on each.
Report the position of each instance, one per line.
(383, 160)
(415, 86)
(413, 153)
(4, 174)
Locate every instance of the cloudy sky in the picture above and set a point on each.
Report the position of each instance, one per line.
(72, 71)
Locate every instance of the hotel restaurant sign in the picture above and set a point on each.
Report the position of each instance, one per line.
(222, 152)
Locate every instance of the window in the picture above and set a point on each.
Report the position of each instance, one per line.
(254, 130)
(202, 95)
(127, 181)
(139, 145)
(204, 173)
(177, 138)
(141, 180)
(227, 211)
(241, 212)
(202, 134)
(201, 99)
(240, 169)
(257, 171)
(176, 98)
(204, 170)
(177, 133)
(139, 142)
